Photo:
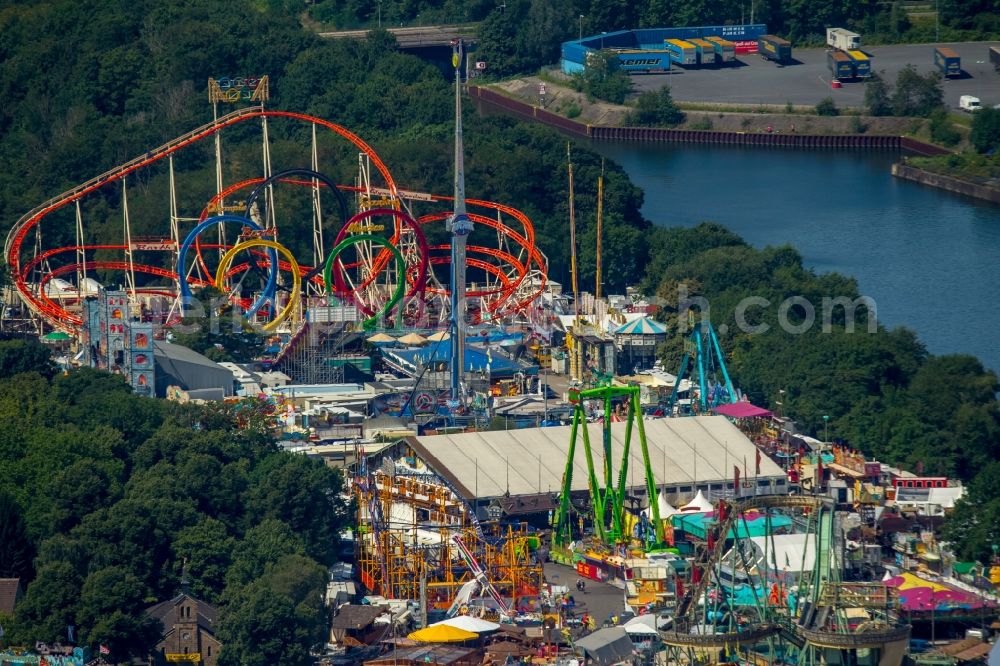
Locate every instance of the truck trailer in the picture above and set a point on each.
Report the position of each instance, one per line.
(705, 50)
(635, 61)
(725, 50)
(840, 64)
(774, 48)
(845, 40)
(995, 57)
(862, 64)
(946, 60)
(681, 52)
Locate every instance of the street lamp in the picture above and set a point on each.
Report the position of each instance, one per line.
(379, 14)
(581, 28)
(826, 424)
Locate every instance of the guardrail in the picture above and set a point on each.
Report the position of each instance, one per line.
(855, 639)
(663, 134)
(718, 640)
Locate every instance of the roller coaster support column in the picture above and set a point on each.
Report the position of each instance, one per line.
(460, 226)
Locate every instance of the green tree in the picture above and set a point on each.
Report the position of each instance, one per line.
(16, 550)
(279, 618)
(24, 355)
(263, 545)
(111, 613)
(206, 550)
(916, 94)
(985, 134)
(305, 494)
(603, 79)
(878, 96)
(974, 527)
(50, 603)
(655, 108)
(942, 129)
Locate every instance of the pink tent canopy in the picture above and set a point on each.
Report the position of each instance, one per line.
(741, 410)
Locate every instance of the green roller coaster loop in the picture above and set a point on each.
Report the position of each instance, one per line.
(607, 499)
(397, 294)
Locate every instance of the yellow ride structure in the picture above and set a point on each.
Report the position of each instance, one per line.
(405, 547)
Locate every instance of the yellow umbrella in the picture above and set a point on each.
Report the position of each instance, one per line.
(439, 336)
(442, 633)
(381, 337)
(413, 340)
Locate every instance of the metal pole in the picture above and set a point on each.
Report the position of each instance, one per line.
(545, 393)
(461, 226)
(581, 28)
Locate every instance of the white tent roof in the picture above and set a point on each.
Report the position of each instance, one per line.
(699, 504)
(645, 624)
(468, 623)
(532, 460)
(794, 552)
(666, 509)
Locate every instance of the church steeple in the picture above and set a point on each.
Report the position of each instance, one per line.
(185, 582)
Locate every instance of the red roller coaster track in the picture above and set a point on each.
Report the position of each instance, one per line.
(509, 268)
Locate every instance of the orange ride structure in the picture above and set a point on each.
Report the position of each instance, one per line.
(370, 254)
(418, 539)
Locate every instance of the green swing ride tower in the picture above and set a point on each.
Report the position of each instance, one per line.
(607, 492)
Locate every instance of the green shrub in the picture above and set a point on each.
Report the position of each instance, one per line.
(942, 129)
(655, 108)
(827, 107)
(573, 110)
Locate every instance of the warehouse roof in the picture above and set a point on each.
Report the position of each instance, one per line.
(532, 460)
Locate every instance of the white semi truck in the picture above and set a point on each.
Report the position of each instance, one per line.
(842, 39)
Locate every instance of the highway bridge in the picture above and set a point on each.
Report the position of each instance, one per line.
(417, 36)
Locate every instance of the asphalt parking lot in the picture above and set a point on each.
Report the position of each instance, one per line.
(806, 80)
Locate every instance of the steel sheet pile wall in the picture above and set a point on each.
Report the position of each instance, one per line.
(597, 132)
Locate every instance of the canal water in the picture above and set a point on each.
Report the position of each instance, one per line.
(930, 259)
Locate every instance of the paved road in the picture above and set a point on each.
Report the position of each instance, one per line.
(600, 600)
(807, 80)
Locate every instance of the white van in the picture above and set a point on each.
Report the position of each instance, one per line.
(969, 103)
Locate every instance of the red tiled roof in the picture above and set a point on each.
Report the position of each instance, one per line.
(10, 594)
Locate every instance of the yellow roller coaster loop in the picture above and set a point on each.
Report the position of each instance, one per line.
(293, 298)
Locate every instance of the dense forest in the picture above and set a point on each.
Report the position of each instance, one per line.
(110, 491)
(107, 498)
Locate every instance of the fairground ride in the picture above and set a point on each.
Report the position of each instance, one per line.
(365, 260)
(744, 602)
(417, 539)
(703, 352)
(607, 495)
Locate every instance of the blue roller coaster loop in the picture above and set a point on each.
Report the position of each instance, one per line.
(185, 289)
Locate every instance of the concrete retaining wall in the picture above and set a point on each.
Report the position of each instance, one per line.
(946, 182)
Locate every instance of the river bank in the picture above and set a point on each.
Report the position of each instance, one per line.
(762, 125)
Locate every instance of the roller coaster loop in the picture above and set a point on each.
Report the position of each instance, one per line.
(293, 297)
(272, 280)
(397, 294)
(419, 282)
